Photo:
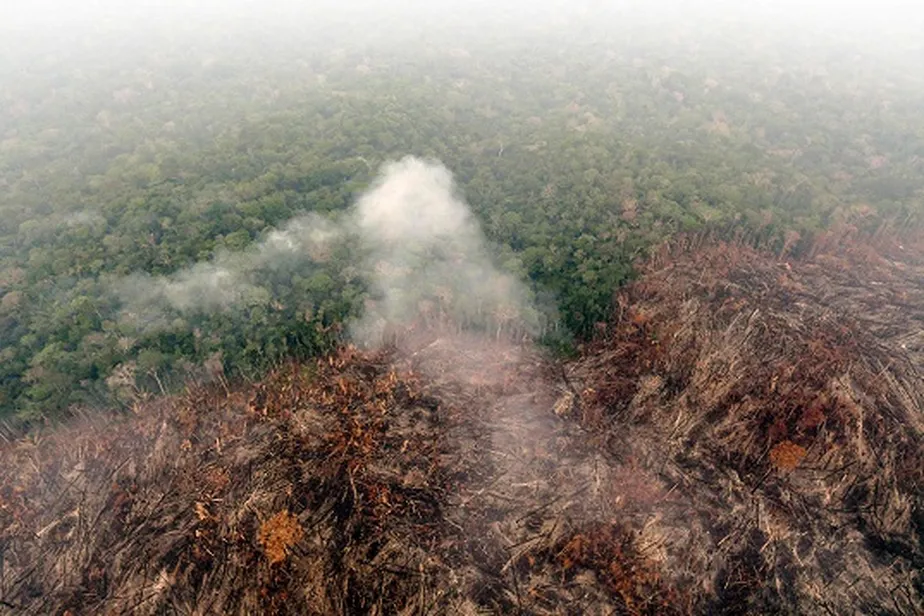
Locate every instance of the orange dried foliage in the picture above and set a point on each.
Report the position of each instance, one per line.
(610, 551)
(786, 455)
(278, 534)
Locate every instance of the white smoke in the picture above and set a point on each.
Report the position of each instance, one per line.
(424, 258)
(429, 258)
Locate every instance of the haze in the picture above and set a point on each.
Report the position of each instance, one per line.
(51, 18)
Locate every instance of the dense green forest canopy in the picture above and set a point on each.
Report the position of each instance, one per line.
(578, 141)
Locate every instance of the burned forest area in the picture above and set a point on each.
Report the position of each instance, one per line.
(745, 436)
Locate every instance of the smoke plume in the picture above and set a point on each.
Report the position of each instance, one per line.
(428, 257)
(414, 241)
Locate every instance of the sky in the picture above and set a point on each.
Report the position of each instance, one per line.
(46, 14)
(887, 30)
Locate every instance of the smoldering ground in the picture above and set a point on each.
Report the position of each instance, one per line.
(452, 319)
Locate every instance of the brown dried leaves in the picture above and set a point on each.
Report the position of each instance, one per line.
(278, 534)
(786, 455)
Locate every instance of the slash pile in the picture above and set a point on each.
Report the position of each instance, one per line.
(427, 479)
(784, 405)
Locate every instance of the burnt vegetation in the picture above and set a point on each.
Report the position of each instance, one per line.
(745, 435)
(787, 396)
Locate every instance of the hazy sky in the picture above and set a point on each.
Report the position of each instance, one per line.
(45, 13)
(890, 30)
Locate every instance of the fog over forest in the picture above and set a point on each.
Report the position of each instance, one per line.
(141, 141)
